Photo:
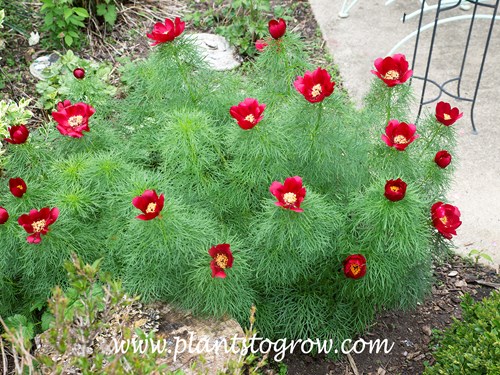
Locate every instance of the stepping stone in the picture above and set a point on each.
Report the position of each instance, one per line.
(218, 53)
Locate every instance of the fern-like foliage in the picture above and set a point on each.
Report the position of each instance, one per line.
(172, 133)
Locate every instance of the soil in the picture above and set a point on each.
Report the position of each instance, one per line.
(410, 331)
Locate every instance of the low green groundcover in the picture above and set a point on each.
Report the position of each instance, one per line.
(471, 346)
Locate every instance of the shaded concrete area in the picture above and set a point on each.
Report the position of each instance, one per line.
(371, 31)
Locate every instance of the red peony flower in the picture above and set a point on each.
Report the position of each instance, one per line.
(447, 115)
(18, 134)
(445, 218)
(315, 86)
(392, 70)
(37, 222)
(79, 73)
(260, 45)
(290, 195)
(395, 190)
(166, 32)
(443, 158)
(72, 120)
(277, 28)
(399, 134)
(4, 215)
(150, 204)
(17, 187)
(222, 258)
(355, 266)
(248, 113)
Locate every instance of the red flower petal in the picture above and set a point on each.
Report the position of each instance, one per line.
(166, 32)
(315, 86)
(277, 28)
(222, 259)
(4, 215)
(248, 113)
(18, 134)
(393, 70)
(395, 190)
(290, 195)
(355, 266)
(17, 187)
(150, 204)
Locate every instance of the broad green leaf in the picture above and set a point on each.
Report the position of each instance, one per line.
(82, 12)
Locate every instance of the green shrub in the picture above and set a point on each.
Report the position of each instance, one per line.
(471, 345)
(65, 20)
(172, 133)
(240, 21)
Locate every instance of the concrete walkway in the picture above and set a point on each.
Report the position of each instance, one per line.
(371, 31)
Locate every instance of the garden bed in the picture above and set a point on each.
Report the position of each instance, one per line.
(409, 330)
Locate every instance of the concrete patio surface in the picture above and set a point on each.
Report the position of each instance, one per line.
(372, 30)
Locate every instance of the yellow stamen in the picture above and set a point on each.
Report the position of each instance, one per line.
(444, 220)
(38, 226)
(75, 120)
(250, 118)
(221, 260)
(391, 74)
(151, 208)
(395, 188)
(447, 116)
(20, 187)
(290, 198)
(316, 90)
(355, 269)
(400, 140)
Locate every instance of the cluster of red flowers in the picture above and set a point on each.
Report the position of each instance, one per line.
(72, 120)
(393, 70)
(35, 223)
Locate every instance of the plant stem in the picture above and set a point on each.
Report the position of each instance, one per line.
(434, 135)
(318, 122)
(389, 102)
(184, 76)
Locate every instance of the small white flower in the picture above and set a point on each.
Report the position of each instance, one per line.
(34, 38)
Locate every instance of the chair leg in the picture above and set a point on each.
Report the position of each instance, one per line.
(344, 11)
